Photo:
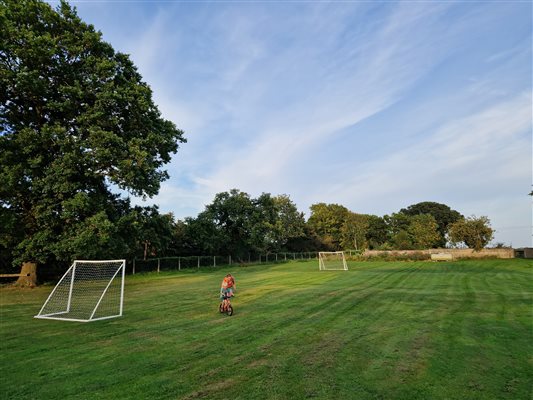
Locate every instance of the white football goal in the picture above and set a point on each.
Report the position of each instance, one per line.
(332, 260)
(88, 291)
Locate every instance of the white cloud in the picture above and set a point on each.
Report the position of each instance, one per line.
(363, 83)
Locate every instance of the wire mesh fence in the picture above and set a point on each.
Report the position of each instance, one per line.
(201, 262)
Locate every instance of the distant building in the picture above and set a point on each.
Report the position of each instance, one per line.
(524, 252)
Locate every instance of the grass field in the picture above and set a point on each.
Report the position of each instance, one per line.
(396, 330)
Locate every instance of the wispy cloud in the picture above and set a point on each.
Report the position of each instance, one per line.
(362, 83)
(458, 157)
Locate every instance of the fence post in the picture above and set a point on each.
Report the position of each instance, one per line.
(179, 263)
(134, 266)
(276, 257)
(230, 259)
(198, 262)
(158, 265)
(214, 261)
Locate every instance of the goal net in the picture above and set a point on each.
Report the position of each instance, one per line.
(332, 260)
(89, 291)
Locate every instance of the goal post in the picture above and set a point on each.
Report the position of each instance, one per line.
(332, 261)
(90, 290)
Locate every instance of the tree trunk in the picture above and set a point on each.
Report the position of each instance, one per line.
(28, 275)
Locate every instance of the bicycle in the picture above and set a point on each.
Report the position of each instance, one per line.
(225, 306)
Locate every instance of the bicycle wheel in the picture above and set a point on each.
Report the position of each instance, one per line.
(229, 311)
(221, 308)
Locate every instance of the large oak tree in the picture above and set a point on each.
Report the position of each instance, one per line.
(76, 119)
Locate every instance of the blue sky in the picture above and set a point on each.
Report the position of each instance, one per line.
(372, 105)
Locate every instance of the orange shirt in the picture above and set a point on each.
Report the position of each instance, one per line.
(227, 282)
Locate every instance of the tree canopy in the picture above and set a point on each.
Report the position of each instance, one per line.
(473, 231)
(353, 231)
(237, 224)
(444, 216)
(75, 118)
(326, 221)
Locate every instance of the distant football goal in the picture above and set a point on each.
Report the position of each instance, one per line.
(88, 291)
(332, 260)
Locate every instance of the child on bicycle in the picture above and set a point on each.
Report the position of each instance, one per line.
(226, 289)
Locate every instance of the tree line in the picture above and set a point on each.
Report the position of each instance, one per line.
(77, 120)
(236, 224)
